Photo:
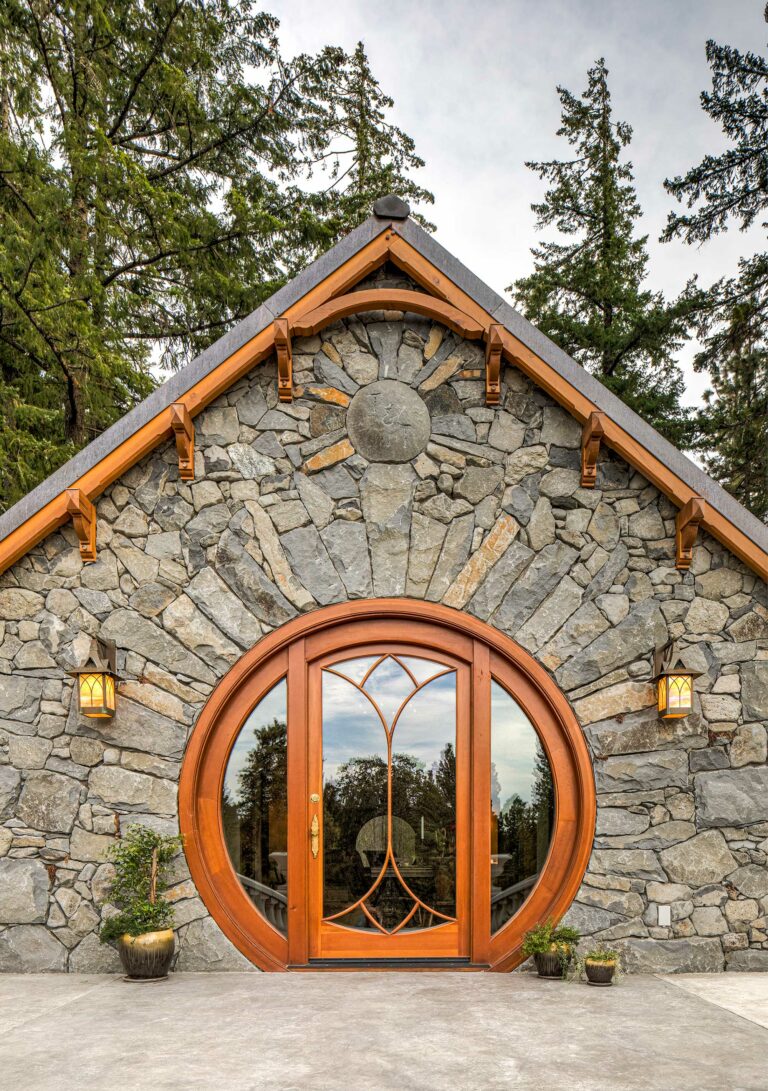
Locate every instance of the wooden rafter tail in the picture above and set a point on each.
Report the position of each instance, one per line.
(184, 434)
(493, 347)
(687, 523)
(591, 438)
(83, 516)
(284, 360)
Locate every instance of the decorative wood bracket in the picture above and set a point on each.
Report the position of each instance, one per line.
(686, 528)
(284, 360)
(591, 437)
(184, 433)
(493, 346)
(84, 521)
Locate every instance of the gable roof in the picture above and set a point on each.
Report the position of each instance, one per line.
(379, 238)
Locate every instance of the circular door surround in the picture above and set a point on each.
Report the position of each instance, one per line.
(286, 652)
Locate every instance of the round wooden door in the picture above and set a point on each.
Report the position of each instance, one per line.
(386, 783)
(389, 779)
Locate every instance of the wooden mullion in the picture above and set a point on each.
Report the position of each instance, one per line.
(481, 804)
(299, 818)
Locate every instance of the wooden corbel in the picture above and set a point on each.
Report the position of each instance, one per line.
(686, 528)
(84, 521)
(591, 438)
(493, 347)
(184, 433)
(284, 360)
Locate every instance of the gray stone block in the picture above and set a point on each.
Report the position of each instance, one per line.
(732, 797)
(23, 891)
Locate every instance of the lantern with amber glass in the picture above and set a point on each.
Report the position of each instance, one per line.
(97, 681)
(674, 683)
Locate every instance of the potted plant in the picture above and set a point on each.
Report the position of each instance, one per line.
(142, 927)
(601, 965)
(551, 946)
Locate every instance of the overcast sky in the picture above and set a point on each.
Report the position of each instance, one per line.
(474, 85)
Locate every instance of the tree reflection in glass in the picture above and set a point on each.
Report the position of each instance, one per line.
(522, 806)
(389, 794)
(255, 806)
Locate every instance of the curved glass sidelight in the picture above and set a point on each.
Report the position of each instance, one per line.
(522, 806)
(254, 806)
(389, 794)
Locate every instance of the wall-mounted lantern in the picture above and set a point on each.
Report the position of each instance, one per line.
(97, 681)
(674, 683)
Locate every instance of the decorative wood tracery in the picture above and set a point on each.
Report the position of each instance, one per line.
(284, 360)
(184, 433)
(493, 350)
(591, 437)
(687, 524)
(83, 514)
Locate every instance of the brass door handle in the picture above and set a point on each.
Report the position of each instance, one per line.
(314, 836)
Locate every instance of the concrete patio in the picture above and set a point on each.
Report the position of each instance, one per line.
(376, 1032)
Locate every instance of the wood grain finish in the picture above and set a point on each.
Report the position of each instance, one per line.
(83, 517)
(184, 433)
(298, 650)
(591, 437)
(400, 299)
(687, 524)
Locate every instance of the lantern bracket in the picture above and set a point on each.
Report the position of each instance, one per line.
(591, 438)
(668, 660)
(687, 524)
(84, 521)
(184, 434)
(101, 658)
(493, 347)
(284, 360)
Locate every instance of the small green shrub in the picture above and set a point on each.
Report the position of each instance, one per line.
(549, 937)
(141, 860)
(602, 954)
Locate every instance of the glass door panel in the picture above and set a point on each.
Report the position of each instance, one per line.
(388, 753)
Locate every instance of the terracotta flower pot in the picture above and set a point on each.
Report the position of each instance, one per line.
(147, 956)
(600, 973)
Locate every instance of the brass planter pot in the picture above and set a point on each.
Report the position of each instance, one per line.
(600, 973)
(549, 964)
(148, 956)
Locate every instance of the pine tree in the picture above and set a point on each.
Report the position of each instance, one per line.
(733, 186)
(371, 156)
(154, 189)
(587, 292)
(733, 426)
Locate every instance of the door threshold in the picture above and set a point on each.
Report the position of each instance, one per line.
(410, 964)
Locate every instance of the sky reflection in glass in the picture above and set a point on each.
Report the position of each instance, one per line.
(273, 706)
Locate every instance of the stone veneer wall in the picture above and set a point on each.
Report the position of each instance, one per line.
(486, 515)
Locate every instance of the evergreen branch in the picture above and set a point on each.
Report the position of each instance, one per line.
(143, 71)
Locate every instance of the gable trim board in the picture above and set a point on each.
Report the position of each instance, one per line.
(314, 295)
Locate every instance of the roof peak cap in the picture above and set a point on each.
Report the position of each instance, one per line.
(391, 207)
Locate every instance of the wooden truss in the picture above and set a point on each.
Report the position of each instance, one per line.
(184, 433)
(687, 523)
(83, 514)
(591, 438)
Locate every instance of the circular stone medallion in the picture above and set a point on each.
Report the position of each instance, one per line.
(388, 422)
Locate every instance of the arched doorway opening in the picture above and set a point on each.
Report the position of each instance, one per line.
(386, 783)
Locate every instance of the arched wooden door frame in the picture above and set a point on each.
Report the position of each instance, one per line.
(287, 651)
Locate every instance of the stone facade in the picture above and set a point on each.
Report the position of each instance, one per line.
(388, 475)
